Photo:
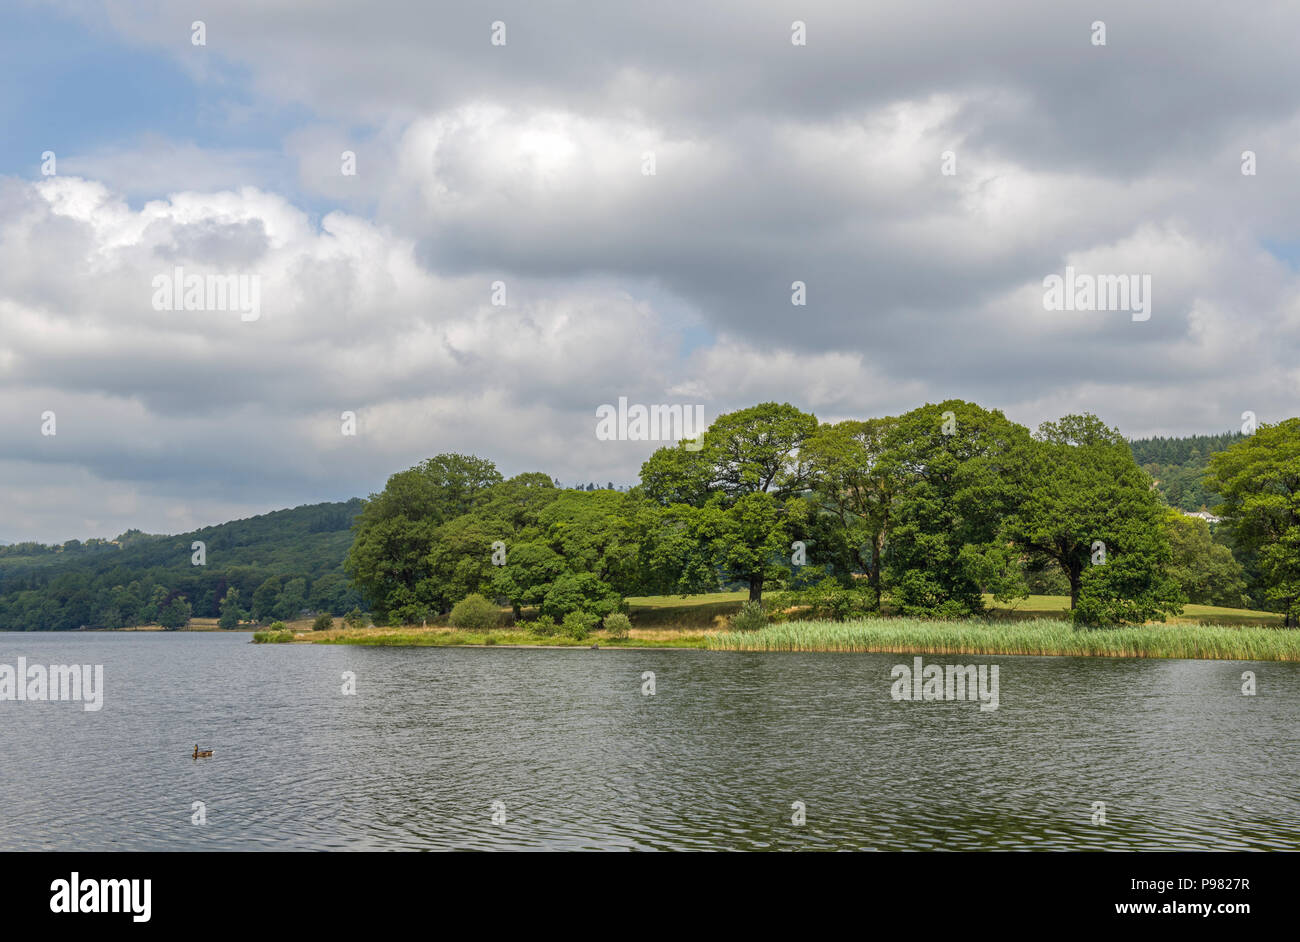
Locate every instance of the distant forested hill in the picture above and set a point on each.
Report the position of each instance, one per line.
(282, 563)
(1178, 465)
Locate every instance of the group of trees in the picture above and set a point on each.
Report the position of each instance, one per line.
(930, 510)
(936, 507)
(1259, 482)
(926, 513)
(452, 526)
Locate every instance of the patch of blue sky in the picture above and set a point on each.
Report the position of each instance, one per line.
(77, 89)
(1287, 251)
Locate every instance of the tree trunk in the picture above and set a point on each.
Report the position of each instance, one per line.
(1075, 580)
(756, 588)
(875, 568)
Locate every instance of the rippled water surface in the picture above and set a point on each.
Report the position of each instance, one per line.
(581, 759)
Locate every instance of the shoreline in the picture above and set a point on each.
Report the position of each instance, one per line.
(1040, 638)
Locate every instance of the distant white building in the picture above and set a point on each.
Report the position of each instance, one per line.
(1203, 514)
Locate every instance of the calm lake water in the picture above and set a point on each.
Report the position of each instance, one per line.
(581, 759)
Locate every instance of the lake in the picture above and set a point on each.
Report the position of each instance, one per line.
(446, 748)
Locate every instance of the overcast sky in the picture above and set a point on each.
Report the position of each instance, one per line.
(524, 163)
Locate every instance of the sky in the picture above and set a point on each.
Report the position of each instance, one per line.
(920, 167)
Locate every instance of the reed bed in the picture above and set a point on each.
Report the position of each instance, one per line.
(1044, 636)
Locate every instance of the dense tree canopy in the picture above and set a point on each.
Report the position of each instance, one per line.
(1206, 571)
(388, 561)
(1259, 480)
(1086, 506)
(732, 494)
(924, 513)
(855, 485)
(959, 472)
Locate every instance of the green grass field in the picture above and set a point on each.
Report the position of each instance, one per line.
(684, 612)
(701, 610)
(1041, 606)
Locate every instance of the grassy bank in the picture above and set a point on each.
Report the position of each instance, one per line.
(1039, 636)
(893, 635)
(416, 636)
(1031, 626)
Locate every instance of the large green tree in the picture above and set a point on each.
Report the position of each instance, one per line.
(1258, 479)
(465, 551)
(672, 559)
(748, 540)
(957, 470)
(1206, 571)
(395, 530)
(581, 554)
(854, 485)
(292, 600)
(1088, 508)
(737, 482)
(531, 569)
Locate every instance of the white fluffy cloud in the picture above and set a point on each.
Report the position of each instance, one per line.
(202, 405)
(523, 164)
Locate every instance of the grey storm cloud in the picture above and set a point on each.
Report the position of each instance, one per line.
(1173, 73)
(523, 164)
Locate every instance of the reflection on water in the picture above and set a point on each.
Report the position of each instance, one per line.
(580, 759)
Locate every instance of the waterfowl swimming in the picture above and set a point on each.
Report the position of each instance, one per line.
(595, 647)
(201, 754)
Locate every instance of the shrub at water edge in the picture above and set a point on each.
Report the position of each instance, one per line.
(474, 612)
(618, 625)
(578, 625)
(750, 617)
